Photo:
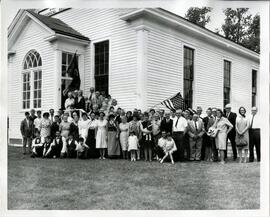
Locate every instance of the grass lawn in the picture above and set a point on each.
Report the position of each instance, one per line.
(120, 184)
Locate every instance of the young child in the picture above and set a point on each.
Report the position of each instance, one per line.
(71, 145)
(37, 145)
(46, 145)
(169, 148)
(132, 145)
(82, 149)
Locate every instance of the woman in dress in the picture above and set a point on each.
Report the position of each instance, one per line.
(124, 133)
(74, 126)
(223, 127)
(45, 126)
(84, 126)
(64, 126)
(242, 136)
(91, 140)
(113, 143)
(101, 135)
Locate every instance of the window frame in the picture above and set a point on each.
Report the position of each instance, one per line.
(254, 93)
(107, 75)
(229, 78)
(191, 79)
(31, 71)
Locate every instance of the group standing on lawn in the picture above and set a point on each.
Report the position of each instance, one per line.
(103, 129)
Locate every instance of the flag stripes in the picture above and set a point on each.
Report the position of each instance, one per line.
(175, 102)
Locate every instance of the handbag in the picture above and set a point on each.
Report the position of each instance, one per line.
(212, 132)
(240, 141)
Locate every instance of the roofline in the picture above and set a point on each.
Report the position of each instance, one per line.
(206, 29)
(57, 36)
(177, 20)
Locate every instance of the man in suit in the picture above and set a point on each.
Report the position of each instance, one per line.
(27, 131)
(166, 124)
(254, 135)
(195, 132)
(208, 141)
(231, 136)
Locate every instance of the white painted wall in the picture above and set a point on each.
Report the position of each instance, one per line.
(32, 37)
(165, 70)
(102, 24)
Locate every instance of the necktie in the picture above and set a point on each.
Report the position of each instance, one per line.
(195, 126)
(252, 121)
(176, 122)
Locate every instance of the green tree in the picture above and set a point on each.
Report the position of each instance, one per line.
(236, 24)
(242, 28)
(253, 40)
(198, 15)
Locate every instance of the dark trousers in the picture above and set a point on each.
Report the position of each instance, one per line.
(231, 137)
(214, 149)
(179, 142)
(254, 140)
(187, 146)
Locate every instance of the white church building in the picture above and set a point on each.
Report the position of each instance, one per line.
(140, 56)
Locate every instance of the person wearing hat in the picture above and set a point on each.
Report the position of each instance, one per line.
(83, 126)
(179, 130)
(231, 116)
(113, 143)
(101, 135)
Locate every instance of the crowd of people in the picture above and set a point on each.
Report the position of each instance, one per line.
(96, 127)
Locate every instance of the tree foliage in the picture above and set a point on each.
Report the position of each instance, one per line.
(242, 28)
(198, 15)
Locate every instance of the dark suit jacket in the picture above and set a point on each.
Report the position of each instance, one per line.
(54, 128)
(27, 130)
(232, 118)
(166, 126)
(80, 104)
(208, 122)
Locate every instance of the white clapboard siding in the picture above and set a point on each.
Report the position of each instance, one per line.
(105, 23)
(32, 37)
(165, 70)
(164, 66)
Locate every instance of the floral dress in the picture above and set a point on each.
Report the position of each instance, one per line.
(124, 133)
(45, 127)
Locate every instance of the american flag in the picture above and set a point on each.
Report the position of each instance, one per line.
(175, 102)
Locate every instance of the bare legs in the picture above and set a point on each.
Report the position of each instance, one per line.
(166, 155)
(102, 153)
(240, 155)
(222, 156)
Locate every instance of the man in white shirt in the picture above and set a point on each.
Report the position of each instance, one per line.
(179, 130)
(254, 135)
(37, 121)
(69, 101)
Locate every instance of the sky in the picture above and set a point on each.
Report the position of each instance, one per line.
(179, 7)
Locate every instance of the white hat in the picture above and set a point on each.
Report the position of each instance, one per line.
(228, 106)
(178, 110)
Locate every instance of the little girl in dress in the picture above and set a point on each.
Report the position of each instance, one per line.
(132, 145)
(169, 148)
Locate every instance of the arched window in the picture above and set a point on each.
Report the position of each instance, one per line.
(32, 77)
